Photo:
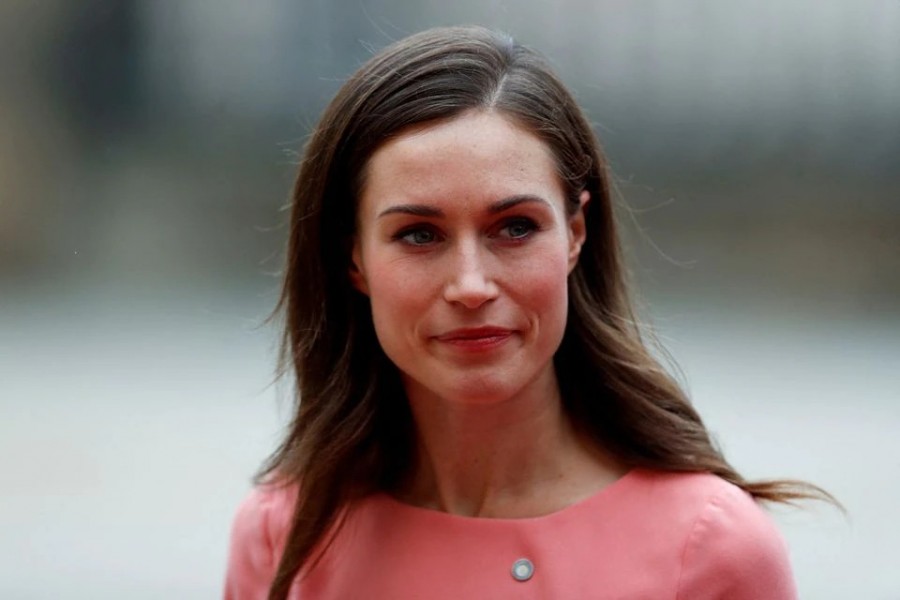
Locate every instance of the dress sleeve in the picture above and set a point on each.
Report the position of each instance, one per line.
(251, 556)
(734, 551)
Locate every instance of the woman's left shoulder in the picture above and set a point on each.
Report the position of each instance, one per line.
(731, 547)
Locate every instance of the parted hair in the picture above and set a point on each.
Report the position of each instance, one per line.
(352, 431)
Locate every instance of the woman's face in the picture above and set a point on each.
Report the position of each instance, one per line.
(464, 246)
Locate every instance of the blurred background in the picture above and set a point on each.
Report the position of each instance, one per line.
(146, 153)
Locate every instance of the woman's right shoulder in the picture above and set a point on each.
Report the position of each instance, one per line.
(258, 534)
(267, 507)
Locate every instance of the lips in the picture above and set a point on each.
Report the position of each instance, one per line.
(476, 338)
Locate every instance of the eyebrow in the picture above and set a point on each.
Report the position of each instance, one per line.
(423, 210)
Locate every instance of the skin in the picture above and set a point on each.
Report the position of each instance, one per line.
(463, 247)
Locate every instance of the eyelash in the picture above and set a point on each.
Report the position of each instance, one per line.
(530, 225)
(402, 235)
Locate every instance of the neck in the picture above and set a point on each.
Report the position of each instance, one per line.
(517, 457)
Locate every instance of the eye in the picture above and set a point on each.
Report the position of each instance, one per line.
(518, 228)
(417, 236)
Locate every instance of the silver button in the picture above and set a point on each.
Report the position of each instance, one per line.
(522, 569)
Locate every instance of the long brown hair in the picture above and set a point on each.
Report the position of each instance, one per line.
(352, 430)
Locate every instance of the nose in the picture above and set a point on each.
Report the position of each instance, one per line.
(471, 282)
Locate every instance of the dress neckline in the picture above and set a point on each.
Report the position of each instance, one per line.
(604, 495)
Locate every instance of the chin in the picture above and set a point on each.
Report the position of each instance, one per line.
(482, 394)
(479, 389)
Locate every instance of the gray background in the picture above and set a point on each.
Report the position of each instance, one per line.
(146, 151)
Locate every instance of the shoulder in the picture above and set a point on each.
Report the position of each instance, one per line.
(730, 546)
(258, 534)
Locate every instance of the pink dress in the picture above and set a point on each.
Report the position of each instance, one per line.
(650, 535)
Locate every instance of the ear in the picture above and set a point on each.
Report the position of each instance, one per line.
(356, 272)
(578, 229)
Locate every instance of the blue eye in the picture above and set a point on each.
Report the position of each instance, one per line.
(519, 228)
(417, 237)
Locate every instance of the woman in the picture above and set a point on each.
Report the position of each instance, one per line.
(480, 415)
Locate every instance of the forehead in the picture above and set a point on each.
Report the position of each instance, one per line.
(476, 155)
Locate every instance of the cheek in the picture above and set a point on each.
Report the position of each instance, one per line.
(398, 295)
(542, 284)
(397, 283)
